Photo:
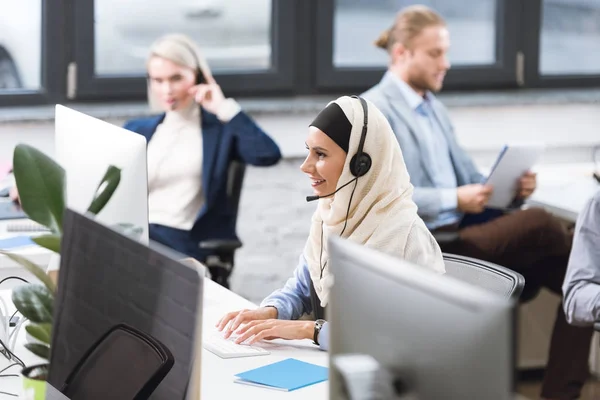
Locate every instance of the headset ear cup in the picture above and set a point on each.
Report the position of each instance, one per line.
(360, 166)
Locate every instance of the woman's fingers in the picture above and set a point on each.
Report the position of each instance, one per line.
(227, 318)
(254, 330)
(243, 317)
(242, 329)
(266, 334)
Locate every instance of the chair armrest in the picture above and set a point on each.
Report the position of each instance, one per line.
(220, 245)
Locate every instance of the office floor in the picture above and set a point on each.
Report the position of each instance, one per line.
(531, 390)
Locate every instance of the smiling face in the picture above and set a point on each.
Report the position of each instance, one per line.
(324, 163)
(170, 83)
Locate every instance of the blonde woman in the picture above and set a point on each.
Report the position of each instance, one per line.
(364, 196)
(190, 145)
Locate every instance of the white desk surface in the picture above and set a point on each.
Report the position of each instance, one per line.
(217, 374)
(564, 189)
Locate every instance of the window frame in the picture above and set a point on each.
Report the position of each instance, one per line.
(302, 58)
(501, 74)
(532, 13)
(124, 87)
(54, 50)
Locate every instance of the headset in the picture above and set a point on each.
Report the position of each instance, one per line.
(360, 164)
(200, 78)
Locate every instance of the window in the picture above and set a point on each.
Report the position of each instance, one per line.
(248, 43)
(483, 42)
(233, 34)
(570, 37)
(83, 50)
(20, 45)
(357, 24)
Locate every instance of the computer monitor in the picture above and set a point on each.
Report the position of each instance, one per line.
(107, 279)
(85, 147)
(437, 337)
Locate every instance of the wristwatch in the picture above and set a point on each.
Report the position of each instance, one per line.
(318, 325)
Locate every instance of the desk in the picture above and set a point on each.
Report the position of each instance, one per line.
(37, 254)
(217, 373)
(564, 190)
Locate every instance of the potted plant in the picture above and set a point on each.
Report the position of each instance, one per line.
(41, 184)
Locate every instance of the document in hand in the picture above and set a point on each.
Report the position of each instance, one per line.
(286, 375)
(512, 162)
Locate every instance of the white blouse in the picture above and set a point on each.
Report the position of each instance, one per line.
(175, 166)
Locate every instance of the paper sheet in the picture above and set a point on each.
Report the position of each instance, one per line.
(512, 162)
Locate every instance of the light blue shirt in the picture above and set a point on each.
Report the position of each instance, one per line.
(581, 287)
(439, 153)
(293, 300)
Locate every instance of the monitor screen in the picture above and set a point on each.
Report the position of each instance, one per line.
(107, 279)
(438, 338)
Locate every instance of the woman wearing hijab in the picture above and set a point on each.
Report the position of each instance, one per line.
(371, 205)
(190, 146)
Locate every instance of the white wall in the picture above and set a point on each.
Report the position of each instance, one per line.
(569, 131)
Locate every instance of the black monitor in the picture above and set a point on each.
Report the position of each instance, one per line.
(401, 330)
(106, 279)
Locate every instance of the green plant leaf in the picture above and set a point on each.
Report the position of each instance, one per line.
(30, 266)
(105, 189)
(35, 302)
(41, 184)
(40, 350)
(50, 242)
(41, 332)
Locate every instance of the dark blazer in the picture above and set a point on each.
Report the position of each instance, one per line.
(238, 139)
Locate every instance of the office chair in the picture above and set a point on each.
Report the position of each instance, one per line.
(124, 364)
(503, 281)
(486, 275)
(220, 262)
(448, 241)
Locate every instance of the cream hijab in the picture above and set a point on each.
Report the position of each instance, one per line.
(382, 214)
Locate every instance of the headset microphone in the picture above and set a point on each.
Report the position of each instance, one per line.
(313, 198)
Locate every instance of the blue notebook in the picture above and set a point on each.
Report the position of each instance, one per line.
(286, 375)
(16, 242)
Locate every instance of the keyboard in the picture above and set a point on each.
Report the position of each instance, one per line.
(25, 226)
(226, 348)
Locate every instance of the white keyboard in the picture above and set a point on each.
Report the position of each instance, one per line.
(226, 348)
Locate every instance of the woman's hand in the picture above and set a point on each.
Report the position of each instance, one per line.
(209, 96)
(255, 331)
(234, 319)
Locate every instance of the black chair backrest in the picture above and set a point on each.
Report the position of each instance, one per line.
(124, 364)
(235, 181)
(486, 275)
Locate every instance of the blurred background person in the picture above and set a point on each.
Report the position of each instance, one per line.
(449, 193)
(190, 146)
